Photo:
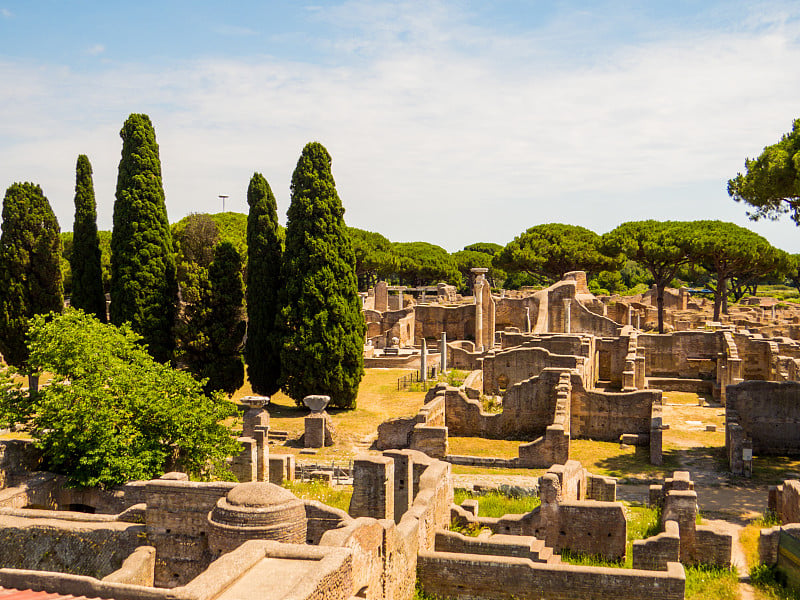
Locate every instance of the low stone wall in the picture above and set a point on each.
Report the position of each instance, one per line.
(496, 545)
(784, 501)
(67, 545)
(137, 569)
(656, 552)
(510, 578)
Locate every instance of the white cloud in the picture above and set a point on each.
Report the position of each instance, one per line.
(5, 13)
(96, 49)
(431, 140)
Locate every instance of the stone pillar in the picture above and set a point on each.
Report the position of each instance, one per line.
(443, 353)
(478, 293)
(381, 296)
(423, 361)
(261, 436)
(774, 315)
(630, 315)
(317, 434)
(638, 320)
(256, 415)
(373, 487)
(527, 319)
(567, 315)
(243, 465)
(281, 468)
(681, 506)
(403, 482)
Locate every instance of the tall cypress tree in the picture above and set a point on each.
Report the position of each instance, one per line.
(144, 290)
(225, 369)
(324, 341)
(87, 273)
(30, 271)
(264, 251)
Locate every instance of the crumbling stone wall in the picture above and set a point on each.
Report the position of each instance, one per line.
(443, 574)
(93, 548)
(686, 354)
(766, 414)
(504, 369)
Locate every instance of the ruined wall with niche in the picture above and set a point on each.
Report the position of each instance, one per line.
(458, 322)
(504, 369)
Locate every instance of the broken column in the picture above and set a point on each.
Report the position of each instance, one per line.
(479, 273)
(317, 425)
(256, 415)
(443, 353)
(567, 315)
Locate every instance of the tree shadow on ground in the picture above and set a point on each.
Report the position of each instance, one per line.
(637, 465)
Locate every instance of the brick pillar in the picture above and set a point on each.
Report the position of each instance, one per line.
(681, 506)
(373, 487)
(281, 468)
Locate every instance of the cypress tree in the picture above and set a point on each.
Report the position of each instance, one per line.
(324, 341)
(225, 369)
(144, 290)
(87, 273)
(30, 271)
(264, 282)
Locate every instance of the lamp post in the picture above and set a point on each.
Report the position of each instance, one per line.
(223, 197)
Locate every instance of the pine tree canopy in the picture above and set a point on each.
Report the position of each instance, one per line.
(143, 282)
(85, 261)
(324, 342)
(264, 248)
(30, 273)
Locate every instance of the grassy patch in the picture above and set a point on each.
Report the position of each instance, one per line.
(590, 560)
(769, 583)
(315, 490)
(704, 582)
(468, 470)
(495, 504)
(643, 522)
(608, 458)
(475, 446)
(773, 470)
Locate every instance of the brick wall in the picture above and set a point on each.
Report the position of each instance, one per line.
(510, 578)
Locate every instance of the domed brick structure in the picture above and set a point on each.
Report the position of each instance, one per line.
(256, 511)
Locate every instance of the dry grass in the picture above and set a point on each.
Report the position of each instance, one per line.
(609, 458)
(474, 446)
(378, 400)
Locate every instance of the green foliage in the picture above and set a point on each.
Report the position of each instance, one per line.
(225, 369)
(322, 352)
(85, 260)
(466, 260)
(548, 251)
(607, 282)
(468, 529)
(264, 283)
(704, 582)
(144, 288)
(30, 271)
(421, 263)
(489, 248)
(230, 226)
(661, 247)
(111, 413)
(771, 184)
(105, 259)
(195, 237)
(374, 258)
(727, 250)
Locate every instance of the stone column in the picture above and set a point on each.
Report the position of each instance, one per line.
(381, 296)
(567, 315)
(630, 315)
(527, 319)
(423, 361)
(638, 320)
(479, 273)
(443, 353)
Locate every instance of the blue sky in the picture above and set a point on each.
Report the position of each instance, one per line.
(448, 122)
